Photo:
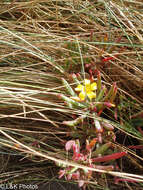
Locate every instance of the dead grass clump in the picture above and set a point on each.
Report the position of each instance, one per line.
(44, 41)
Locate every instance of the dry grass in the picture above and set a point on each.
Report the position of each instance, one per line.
(39, 42)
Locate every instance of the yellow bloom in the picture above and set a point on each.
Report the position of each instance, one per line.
(86, 90)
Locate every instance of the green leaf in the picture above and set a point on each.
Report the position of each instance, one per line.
(68, 87)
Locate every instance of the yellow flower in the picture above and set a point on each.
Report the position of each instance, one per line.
(86, 90)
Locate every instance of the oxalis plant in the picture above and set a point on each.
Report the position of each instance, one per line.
(92, 138)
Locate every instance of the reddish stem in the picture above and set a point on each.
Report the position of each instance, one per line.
(99, 113)
(116, 114)
(136, 147)
(117, 180)
(107, 59)
(140, 130)
(109, 157)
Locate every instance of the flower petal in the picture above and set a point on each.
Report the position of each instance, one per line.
(79, 88)
(82, 95)
(86, 81)
(93, 86)
(91, 95)
(88, 88)
(87, 85)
